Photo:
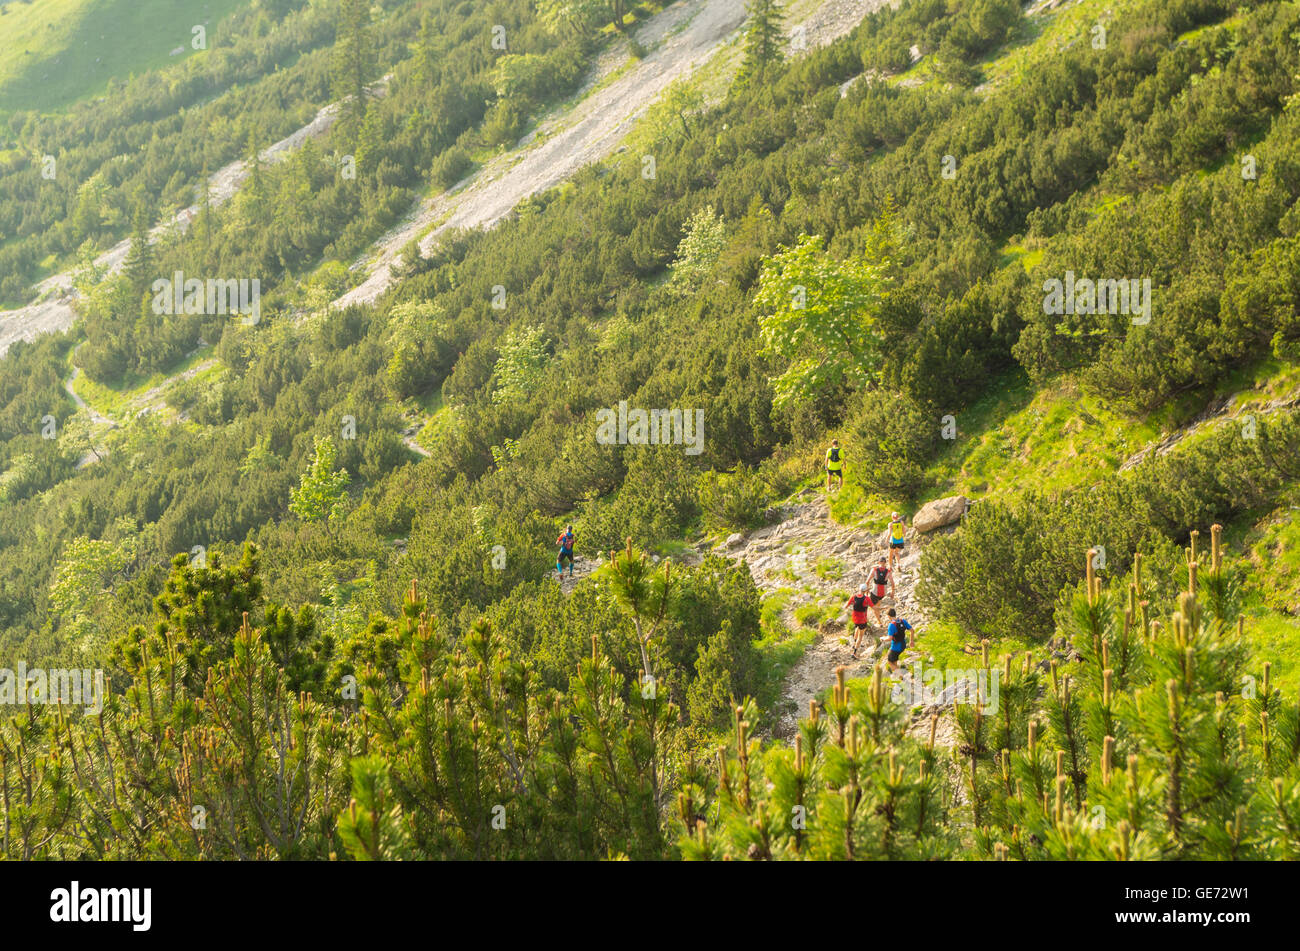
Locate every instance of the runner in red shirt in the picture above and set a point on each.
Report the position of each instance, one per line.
(857, 606)
(882, 579)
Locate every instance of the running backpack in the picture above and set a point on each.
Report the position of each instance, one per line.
(882, 577)
(835, 454)
(859, 604)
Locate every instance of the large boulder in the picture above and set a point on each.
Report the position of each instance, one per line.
(940, 512)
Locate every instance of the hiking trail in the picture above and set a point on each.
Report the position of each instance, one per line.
(810, 557)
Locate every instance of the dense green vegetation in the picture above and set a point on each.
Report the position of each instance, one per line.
(264, 556)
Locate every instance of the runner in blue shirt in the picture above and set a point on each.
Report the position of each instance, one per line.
(896, 634)
(565, 541)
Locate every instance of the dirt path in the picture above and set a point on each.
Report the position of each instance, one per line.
(152, 398)
(582, 567)
(810, 557)
(680, 39)
(96, 417)
(408, 439)
(96, 452)
(813, 561)
(1219, 411)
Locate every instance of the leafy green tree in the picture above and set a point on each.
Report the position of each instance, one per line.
(704, 237)
(81, 579)
(671, 112)
(522, 356)
(322, 492)
(819, 316)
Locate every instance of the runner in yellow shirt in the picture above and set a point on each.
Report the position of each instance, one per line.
(834, 465)
(897, 531)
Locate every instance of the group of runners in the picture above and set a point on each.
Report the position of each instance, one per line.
(880, 579)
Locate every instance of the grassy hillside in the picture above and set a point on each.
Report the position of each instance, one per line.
(54, 52)
(838, 243)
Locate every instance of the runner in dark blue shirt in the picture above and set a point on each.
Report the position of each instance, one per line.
(896, 634)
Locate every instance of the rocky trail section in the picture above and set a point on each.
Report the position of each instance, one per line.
(807, 559)
(1222, 409)
(818, 562)
(582, 568)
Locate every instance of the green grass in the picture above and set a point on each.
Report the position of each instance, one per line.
(945, 644)
(829, 569)
(812, 616)
(29, 32)
(115, 400)
(439, 418)
(774, 606)
(1028, 258)
(1273, 556)
(1232, 21)
(675, 548)
(1047, 33)
(1258, 383)
(1055, 439)
(779, 648)
(1013, 438)
(48, 49)
(1275, 639)
(1270, 549)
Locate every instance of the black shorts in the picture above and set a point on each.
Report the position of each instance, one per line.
(875, 599)
(564, 556)
(895, 654)
(896, 544)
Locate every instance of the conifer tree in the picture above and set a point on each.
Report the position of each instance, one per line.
(354, 63)
(763, 39)
(138, 265)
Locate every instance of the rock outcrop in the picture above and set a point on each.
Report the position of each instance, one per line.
(940, 512)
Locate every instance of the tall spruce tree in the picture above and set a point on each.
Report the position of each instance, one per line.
(139, 263)
(354, 63)
(763, 36)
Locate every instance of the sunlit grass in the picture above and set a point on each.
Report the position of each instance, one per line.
(116, 400)
(55, 52)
